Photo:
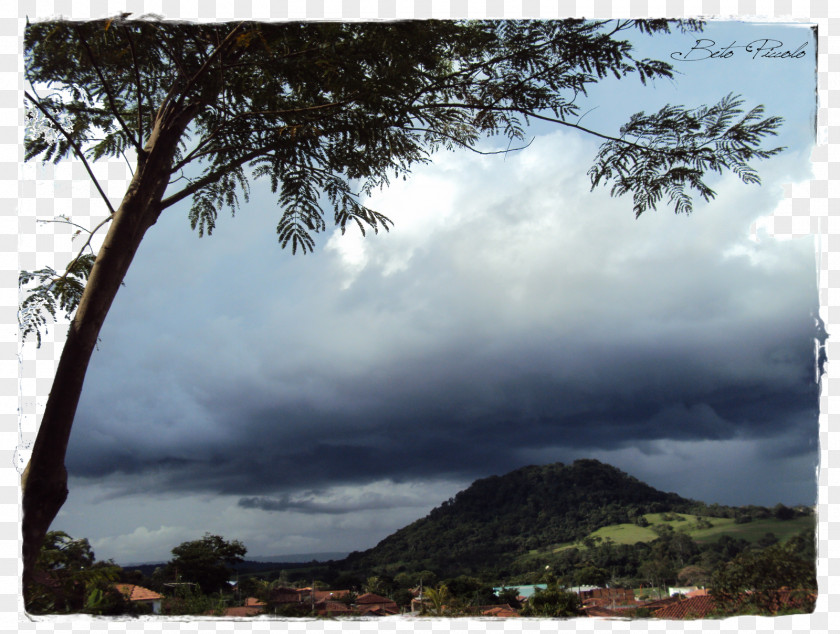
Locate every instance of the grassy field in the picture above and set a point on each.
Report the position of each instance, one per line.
(755, 530)
(699, 531)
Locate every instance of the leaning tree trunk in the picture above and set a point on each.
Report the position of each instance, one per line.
(44, 480)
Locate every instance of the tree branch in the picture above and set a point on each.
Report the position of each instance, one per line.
(189, 190)
(139, 89)
(467, 146)
(177, 60)
(70, 266)
(75, 147)
(107, 89)
(62, 220)
(528, 113)
(194, 153)
(212, 57)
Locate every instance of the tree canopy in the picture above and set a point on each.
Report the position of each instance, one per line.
(71, 580)
(207, 562)
(768, 580)
(325, 112)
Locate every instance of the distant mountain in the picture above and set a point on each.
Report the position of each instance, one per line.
(487, 525)
(258, 564)
(303, 557)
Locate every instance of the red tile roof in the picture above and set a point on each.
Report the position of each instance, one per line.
(329, 595)
(699, 607)
(285, 595)
(691, 608)
(137, 593)
(332, 607)
(501, 611)
(378, 610)
(369, 597)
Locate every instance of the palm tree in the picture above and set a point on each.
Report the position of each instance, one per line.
(438, 597)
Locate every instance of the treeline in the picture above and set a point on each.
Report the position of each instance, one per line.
(734, 569)
(744, 577)
(672, 559)
(501, 530)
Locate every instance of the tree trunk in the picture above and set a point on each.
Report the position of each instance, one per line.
(44, 480)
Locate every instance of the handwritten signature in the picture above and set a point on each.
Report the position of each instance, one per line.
(765, 48)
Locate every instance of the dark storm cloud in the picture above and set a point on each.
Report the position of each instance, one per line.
(465, 416)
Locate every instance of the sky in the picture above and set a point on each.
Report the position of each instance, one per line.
(511, 317)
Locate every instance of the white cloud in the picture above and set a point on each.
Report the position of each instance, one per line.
(142, 544)
(126, 528)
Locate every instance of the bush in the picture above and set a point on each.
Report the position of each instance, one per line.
(553, 602)
(185, 600)
(752, 581)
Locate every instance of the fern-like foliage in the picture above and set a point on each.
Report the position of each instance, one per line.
(48, 292)
(667, 154)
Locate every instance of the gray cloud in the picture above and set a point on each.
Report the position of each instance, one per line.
(312, 506)
(457, 410)
(454, 412)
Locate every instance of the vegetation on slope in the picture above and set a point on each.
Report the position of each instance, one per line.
(582, 524)
(500, 517)
(495, 527)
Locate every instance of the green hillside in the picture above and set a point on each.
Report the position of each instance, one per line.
(497, 518)
(752, 531)
(504, 526)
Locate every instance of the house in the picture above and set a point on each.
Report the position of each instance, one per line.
(140, 595)
(252, 607)
(693, 608)
(501, 611)
(523, 592)
(683, 590)
(607, 597)
(333, 608)
(701, 606)
(375, 605)
(286, 595)
(418, 601)
(330, 595)
(659, 603)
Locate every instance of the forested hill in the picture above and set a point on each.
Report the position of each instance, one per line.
(499, 517)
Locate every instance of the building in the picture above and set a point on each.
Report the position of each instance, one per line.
(327, 607)
(139, 595)
(370, 604)
(287, 595)
(607, 597)
(693, 608)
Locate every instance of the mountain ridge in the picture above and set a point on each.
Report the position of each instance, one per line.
(498, 517)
